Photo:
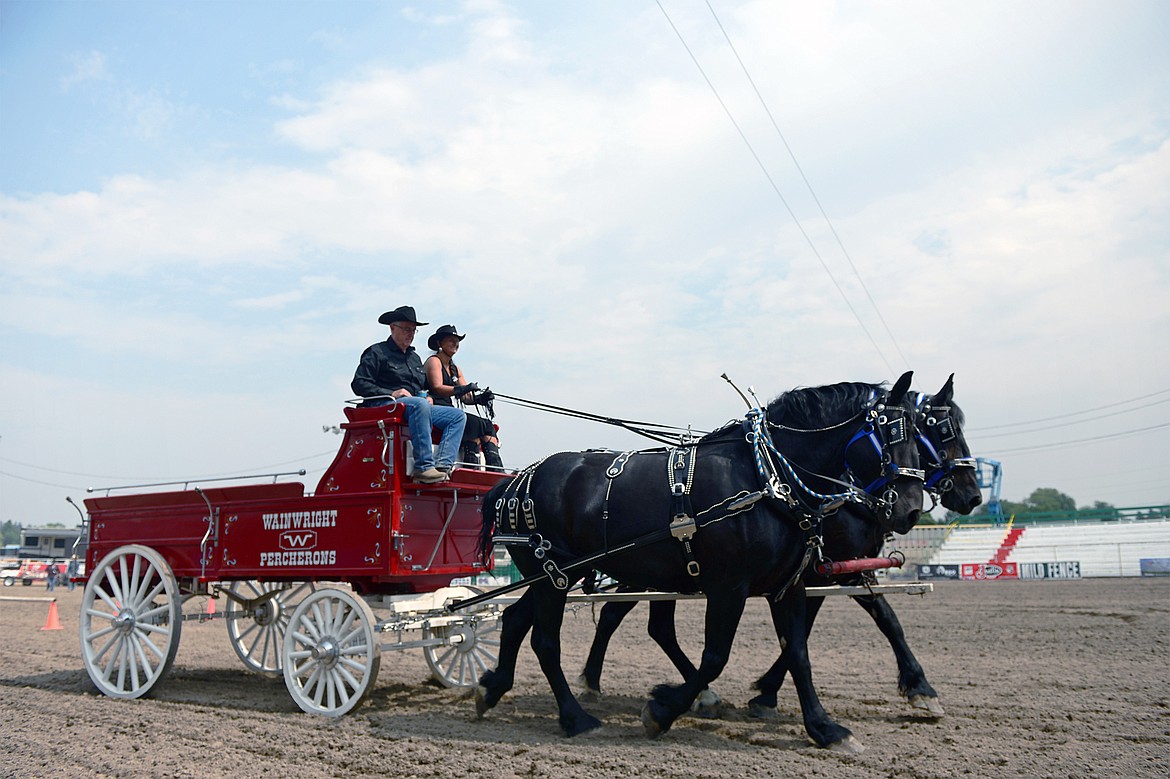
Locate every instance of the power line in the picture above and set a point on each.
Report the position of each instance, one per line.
(104, 476)
(43, 483)
(808, 184)
(1069, 424)
(776, 189)
(1079, 441)
(1069, 414)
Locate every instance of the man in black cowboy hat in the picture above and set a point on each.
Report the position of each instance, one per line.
(391, 372)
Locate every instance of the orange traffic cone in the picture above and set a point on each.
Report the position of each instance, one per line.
(52, 622)
(209, 612)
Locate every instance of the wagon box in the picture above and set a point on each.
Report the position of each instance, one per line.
(367, 524)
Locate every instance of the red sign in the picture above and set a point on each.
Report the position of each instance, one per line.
(988, 571)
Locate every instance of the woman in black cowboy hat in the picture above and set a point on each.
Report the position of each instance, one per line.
(447, 383)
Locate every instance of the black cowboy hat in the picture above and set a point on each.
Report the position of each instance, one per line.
(440, 334)
(400, 314)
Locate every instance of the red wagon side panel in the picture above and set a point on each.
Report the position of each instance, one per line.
(368, 524)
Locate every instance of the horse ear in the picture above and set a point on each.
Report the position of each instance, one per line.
(944, 395)
(900, 388)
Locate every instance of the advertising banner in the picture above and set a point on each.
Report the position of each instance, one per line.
(988, 571)
(938, 572)
(1064, 570)
(1155, 566)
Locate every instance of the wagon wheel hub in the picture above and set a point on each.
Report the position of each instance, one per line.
(125, 621)
(266, 613)
(326, 651)
(463, 639)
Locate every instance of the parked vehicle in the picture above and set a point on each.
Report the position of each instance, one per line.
(26, 572)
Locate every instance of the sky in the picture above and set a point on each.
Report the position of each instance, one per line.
(205, 206)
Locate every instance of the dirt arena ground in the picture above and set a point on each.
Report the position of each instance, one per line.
(1039, 679)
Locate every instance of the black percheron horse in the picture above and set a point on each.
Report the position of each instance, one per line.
(734, 515)
(850, 533)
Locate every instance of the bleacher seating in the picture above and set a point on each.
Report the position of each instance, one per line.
(970, 545)
(919, 545)
(1101, 548)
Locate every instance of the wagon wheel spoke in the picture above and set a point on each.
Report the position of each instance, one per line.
(469, 648)
(257, 630)
(330, 658)
(131, 617)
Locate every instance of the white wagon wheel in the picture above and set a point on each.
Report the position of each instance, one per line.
(330, 655)
(131, 616)
(471, 647)
(258, 639)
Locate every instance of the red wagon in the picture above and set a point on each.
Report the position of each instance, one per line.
(301, 572)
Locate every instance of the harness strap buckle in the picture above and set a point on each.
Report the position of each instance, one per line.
(682, 527)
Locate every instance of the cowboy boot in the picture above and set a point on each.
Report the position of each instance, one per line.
(491, 456)
(469, 454)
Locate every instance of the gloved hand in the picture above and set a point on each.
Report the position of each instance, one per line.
(463, 389)
(484, 397)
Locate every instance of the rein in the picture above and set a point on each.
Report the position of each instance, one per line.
(652, 430)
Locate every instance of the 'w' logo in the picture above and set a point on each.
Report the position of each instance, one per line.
(298, 539)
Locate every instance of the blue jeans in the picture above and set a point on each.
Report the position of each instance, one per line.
(420, 416)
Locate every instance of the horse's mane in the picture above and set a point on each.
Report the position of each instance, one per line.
(811, 407)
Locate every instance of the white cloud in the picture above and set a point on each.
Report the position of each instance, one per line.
(594, 222)
(87, 67)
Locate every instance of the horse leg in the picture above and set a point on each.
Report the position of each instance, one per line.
(912, 683)
(667, 703)
(546, 643)
(516, 622)
(661, 628)
(791, 612)
(612, 614)
(764, 704)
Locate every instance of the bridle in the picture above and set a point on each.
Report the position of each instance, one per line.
(885, 427)
(935, 429)
(872, 445)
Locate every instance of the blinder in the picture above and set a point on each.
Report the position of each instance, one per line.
(937, 429)
(869, 455)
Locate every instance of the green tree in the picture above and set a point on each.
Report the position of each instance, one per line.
(1099, 510)
(10, 532)
(1046, 499)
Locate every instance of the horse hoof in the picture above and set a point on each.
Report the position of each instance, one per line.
(760, 711)
(588, 693)
(847, 746)
(598, 729)
(481, 704)
(583, 726)
(649, 725)
(707, 705)
(928, 703)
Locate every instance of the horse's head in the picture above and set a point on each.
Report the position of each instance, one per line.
(882, 459)
(950, 468)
